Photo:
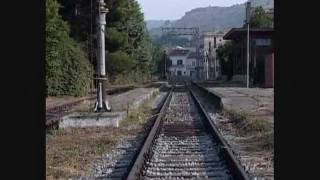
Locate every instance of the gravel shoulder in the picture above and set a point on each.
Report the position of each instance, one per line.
(256, 101)
(246, 123)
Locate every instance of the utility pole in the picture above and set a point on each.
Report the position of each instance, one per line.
(209, 62)
(248, 39)
(165, 64)
(207, 65)
(102, 104)
(214, 57)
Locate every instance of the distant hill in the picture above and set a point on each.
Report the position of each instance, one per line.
(154, 26)
(212, 18)
(154, 23)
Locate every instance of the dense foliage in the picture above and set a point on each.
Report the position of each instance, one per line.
(128, 46)
(224, 54)
(158, 54)
(68, 71)
(260, 19)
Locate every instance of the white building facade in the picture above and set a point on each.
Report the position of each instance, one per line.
(183, 63)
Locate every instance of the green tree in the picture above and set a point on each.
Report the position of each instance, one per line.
(115, 39)
(119, 62)
(157, 58)
(260, 19)
(68, 71)
(224, 54)
(126, 33)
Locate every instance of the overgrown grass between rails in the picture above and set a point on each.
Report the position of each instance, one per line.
(249, 124)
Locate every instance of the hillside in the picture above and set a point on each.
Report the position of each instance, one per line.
(154, 23)
(212, 18)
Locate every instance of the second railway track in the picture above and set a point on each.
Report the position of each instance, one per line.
(184, 144)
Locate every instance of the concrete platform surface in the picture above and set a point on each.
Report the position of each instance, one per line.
(259, 101)
(61, 100)
(121, 105)
(132, 98)
(92, 119)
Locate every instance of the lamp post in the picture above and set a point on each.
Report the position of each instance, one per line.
(102, 104)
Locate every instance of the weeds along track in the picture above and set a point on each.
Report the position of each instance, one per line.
(181, 147)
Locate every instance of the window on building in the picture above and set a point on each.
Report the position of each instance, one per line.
(180, 62)
(193, 63)
(263, 42)
(179, 73)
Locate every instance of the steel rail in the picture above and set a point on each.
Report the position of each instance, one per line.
(134, 172)
(233, 163)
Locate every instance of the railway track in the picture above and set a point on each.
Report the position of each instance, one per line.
(184, 144)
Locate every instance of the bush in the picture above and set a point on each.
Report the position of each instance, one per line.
(68, 70)
(119, 62)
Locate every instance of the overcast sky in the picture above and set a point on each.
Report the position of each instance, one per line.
(175, 9)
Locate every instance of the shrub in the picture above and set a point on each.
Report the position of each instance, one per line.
(68, 70)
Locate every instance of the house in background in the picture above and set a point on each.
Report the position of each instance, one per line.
(261, 56)
(183, 63)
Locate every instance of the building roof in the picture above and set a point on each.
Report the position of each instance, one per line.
(192, 55)
(236, 32)
(179, 52)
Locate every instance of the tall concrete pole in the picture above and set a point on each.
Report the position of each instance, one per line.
(165, 64)
(210, 61)
(207, 66)
(248, 55)
(214, 57)
(102, 104)
(248, 7)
